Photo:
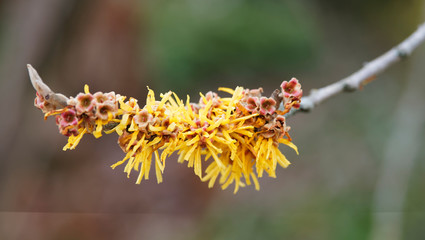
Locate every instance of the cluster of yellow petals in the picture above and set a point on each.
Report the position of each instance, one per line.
(216, 134)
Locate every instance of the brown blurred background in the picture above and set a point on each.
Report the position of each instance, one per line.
(360, 172)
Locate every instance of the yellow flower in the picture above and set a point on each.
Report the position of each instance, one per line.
(237, 137)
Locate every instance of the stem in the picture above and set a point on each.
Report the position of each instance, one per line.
(366, 74)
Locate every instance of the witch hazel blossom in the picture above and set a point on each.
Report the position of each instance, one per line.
(85, 103)
(67, 123)
(143, 119)
(267, 105)
(291, 93)
(229, 140)
(253, 104)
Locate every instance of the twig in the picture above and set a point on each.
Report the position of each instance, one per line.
(366, 74)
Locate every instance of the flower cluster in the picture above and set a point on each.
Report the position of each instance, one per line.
(86, 113)
(236, 137)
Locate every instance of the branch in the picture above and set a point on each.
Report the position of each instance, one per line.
(365, 75)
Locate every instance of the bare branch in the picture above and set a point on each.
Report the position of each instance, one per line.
(366, 74)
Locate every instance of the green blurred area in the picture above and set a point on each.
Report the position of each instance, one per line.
(193, 43)
(190, 46)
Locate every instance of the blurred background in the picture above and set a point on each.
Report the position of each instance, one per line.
(360, 172)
